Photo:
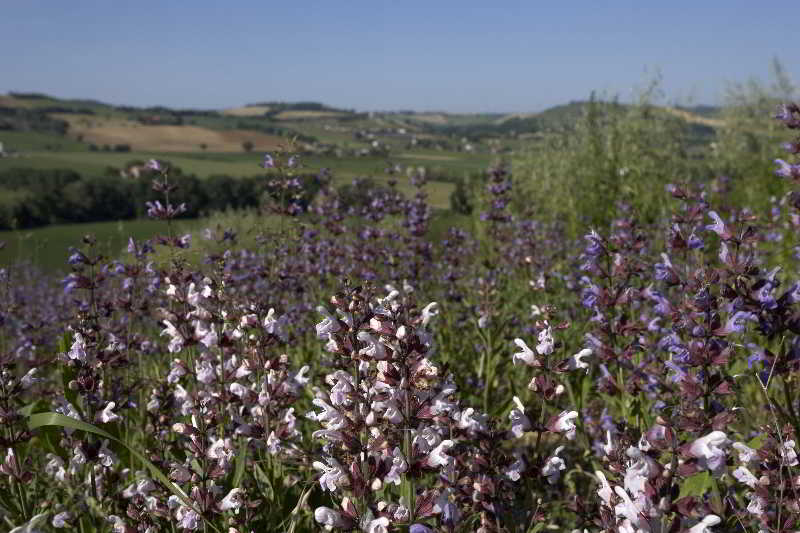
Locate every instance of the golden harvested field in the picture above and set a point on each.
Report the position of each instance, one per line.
(247, 111)
(691, 117)
(10, 101)
(307, 115)
(522, 116)
(165, 138)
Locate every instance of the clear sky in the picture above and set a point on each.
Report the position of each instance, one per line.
(379, 55)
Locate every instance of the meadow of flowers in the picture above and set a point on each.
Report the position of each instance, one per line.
(352, 369)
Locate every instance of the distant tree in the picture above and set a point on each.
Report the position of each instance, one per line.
(203, 146)
(248, 146)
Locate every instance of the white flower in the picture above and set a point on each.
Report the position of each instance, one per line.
(639, 471)
(744, 475)
(438, 456)
(175, 338)
(329, 518)
(276, 326)
(428, 312)
(608, 447)
(546, 342)
(374, 349)
(526, 355)
(577, 360)
(564, 424)
(704, 525)
(604, 491)
(469, 421)
(333, 475)
(520, 423)
(709, 450)
(107, 415)
(78, 349)
(788, 454)
(553, 466)
(330, 324)
(233, 500)
(379, 525)
(106, 456)
(330, 417)
(633, 511)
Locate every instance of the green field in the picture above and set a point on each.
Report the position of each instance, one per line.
(48, 247)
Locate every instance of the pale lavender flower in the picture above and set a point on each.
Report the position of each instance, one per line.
(787, 170)
(564, 424)
(333, 475)
(520, 423)
(553, 466)
(718, 226)
(546, 342)
(61, 520)
(743, 475)
(710, 451)
(331, 519)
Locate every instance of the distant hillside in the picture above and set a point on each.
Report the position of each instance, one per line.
(269, 124)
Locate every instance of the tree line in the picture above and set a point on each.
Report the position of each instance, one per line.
(33, 197)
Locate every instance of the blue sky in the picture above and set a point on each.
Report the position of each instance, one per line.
(456, 56)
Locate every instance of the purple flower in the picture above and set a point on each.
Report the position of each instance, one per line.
(680, 373)
(594, 246)
(786, 114)
(791, 147)
(786, 170)
(757, 355)
(268, 162)
(718, 226)
(736, 323)
(694, 242)
(153, 165)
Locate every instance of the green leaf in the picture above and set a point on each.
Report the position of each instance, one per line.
(695, 485)
(55, 419)
(241, 462)
(264, 483)
(757, 442)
